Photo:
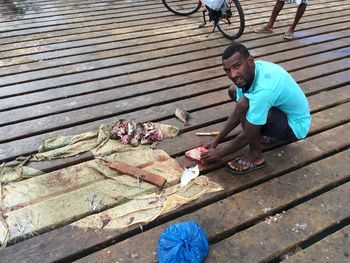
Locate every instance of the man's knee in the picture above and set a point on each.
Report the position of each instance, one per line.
(232, 92)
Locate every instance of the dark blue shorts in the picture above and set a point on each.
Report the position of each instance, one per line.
(277, 126)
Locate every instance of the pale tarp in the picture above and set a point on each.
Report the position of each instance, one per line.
(36, 205)
(98, 143)
(15, 172)
(41, 203)
(146, 208)
(54, 199)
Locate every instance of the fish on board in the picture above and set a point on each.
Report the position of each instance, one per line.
(182, 115)
(196, 153)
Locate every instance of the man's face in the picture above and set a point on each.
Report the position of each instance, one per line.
(240, 70)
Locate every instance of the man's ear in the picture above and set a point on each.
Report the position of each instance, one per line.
(250, 59)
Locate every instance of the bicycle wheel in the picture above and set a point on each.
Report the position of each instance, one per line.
(182, 7)
(231, 23)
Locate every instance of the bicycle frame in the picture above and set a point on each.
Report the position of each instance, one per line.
(222, 14)
(226, 15)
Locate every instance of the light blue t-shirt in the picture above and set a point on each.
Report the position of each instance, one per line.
(274, 87)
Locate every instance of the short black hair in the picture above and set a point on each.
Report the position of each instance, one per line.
(232, 49)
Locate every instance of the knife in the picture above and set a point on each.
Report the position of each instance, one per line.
(214, 133)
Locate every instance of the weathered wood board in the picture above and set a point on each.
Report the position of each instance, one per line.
(68, 67)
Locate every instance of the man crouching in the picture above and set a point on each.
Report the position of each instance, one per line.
(269, 103)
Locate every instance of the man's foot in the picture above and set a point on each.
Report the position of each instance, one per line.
(263, 29)
(241, 166)
(288, 35)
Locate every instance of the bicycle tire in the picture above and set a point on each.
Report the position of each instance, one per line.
(182, 7)
(231, 25)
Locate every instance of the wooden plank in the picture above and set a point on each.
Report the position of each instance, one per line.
(60, 243)
(306, 74)
(319, 102)
(118, 93)
(309, 50)
(42, 109)
(125, 99)
(125, 10)
(89, 21)
(322, 120)
(333, 248)
(112, 95)
(128, 39)
(59, 7)
(241, 210)
(94, 39)
(56, 53)
(68, 13)
(130, 79)
(64, 51)
(311, 7)
(294, 52)
(84, 115)
(325, 122)
(208, 117)
(332, 81)
(33, 127)
(263, 241)
(59, 12)
(57, 47)
(13, 147)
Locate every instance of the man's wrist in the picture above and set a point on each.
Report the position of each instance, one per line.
(220, 152)
(216, 143)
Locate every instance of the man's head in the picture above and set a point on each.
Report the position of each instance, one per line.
(239, 65)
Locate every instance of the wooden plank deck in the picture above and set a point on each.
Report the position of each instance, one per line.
(68, 67)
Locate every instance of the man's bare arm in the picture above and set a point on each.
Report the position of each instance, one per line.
(231, 123)
(248, 135)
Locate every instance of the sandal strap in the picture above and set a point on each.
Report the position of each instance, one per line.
(246, 163)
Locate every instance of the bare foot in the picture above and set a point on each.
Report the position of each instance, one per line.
(263, 29)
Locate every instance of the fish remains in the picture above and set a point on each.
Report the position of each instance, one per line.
(182, 115)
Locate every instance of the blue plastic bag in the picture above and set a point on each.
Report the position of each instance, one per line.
(183, 243)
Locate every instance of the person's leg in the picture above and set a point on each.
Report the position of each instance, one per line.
(277, 126)
(253, 159)
(276, 10)
(300, 11)
(254, 154)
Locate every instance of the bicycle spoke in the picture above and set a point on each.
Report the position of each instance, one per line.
(231, 24)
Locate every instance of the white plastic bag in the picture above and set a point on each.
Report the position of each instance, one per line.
(188, 175)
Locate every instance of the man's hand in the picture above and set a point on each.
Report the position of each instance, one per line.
(213, 155)
(210, 145)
